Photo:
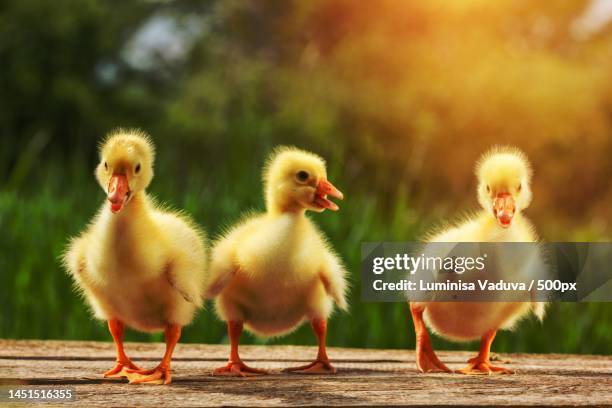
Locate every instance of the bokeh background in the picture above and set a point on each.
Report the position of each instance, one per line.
(400, 97)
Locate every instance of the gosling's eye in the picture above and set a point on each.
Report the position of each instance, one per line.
(519, 187)
(137, 168)
(488, 189)
(105, 166)
(302, 176)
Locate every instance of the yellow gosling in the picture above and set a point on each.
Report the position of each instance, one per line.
(137, 264)
(272, 271)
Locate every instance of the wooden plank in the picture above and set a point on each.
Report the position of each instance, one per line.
(365, 377)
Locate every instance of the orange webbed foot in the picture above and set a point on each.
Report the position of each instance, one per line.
(479, 366)
(426, 359)
(238, 369)
(158, 375)
(121, 369)
(429, 363)
(316, 367)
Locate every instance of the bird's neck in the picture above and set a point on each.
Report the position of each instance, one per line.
(276, 209)
(123, 233)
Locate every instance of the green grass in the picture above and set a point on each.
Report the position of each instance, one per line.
(37, 300)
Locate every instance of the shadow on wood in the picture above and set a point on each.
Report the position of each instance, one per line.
(365, 377)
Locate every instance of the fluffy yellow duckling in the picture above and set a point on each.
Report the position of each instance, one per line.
(504, 176)
(136, 263)
(272, 271)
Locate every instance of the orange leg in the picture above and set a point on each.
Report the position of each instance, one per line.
(235, 367)
(481, 364)
(321, 365)
(116, 328)
(161, 373)
(426, 358)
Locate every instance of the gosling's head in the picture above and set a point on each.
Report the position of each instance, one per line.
(296, 180)
(126, 166)
(504, 177)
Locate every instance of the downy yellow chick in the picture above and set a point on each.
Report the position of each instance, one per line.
(504, 176)
(137, 264)
(274, 270)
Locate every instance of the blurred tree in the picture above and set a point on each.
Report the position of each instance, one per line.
(61, 76)
(406, 85)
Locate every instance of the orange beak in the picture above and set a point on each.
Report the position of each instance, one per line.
(118, 192)
(503, 209)
(325, 188)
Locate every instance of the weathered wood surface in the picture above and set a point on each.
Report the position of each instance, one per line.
(365, 377)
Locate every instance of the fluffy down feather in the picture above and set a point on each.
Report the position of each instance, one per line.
(144, 265)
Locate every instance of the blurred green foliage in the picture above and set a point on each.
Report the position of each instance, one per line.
(399, 97)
